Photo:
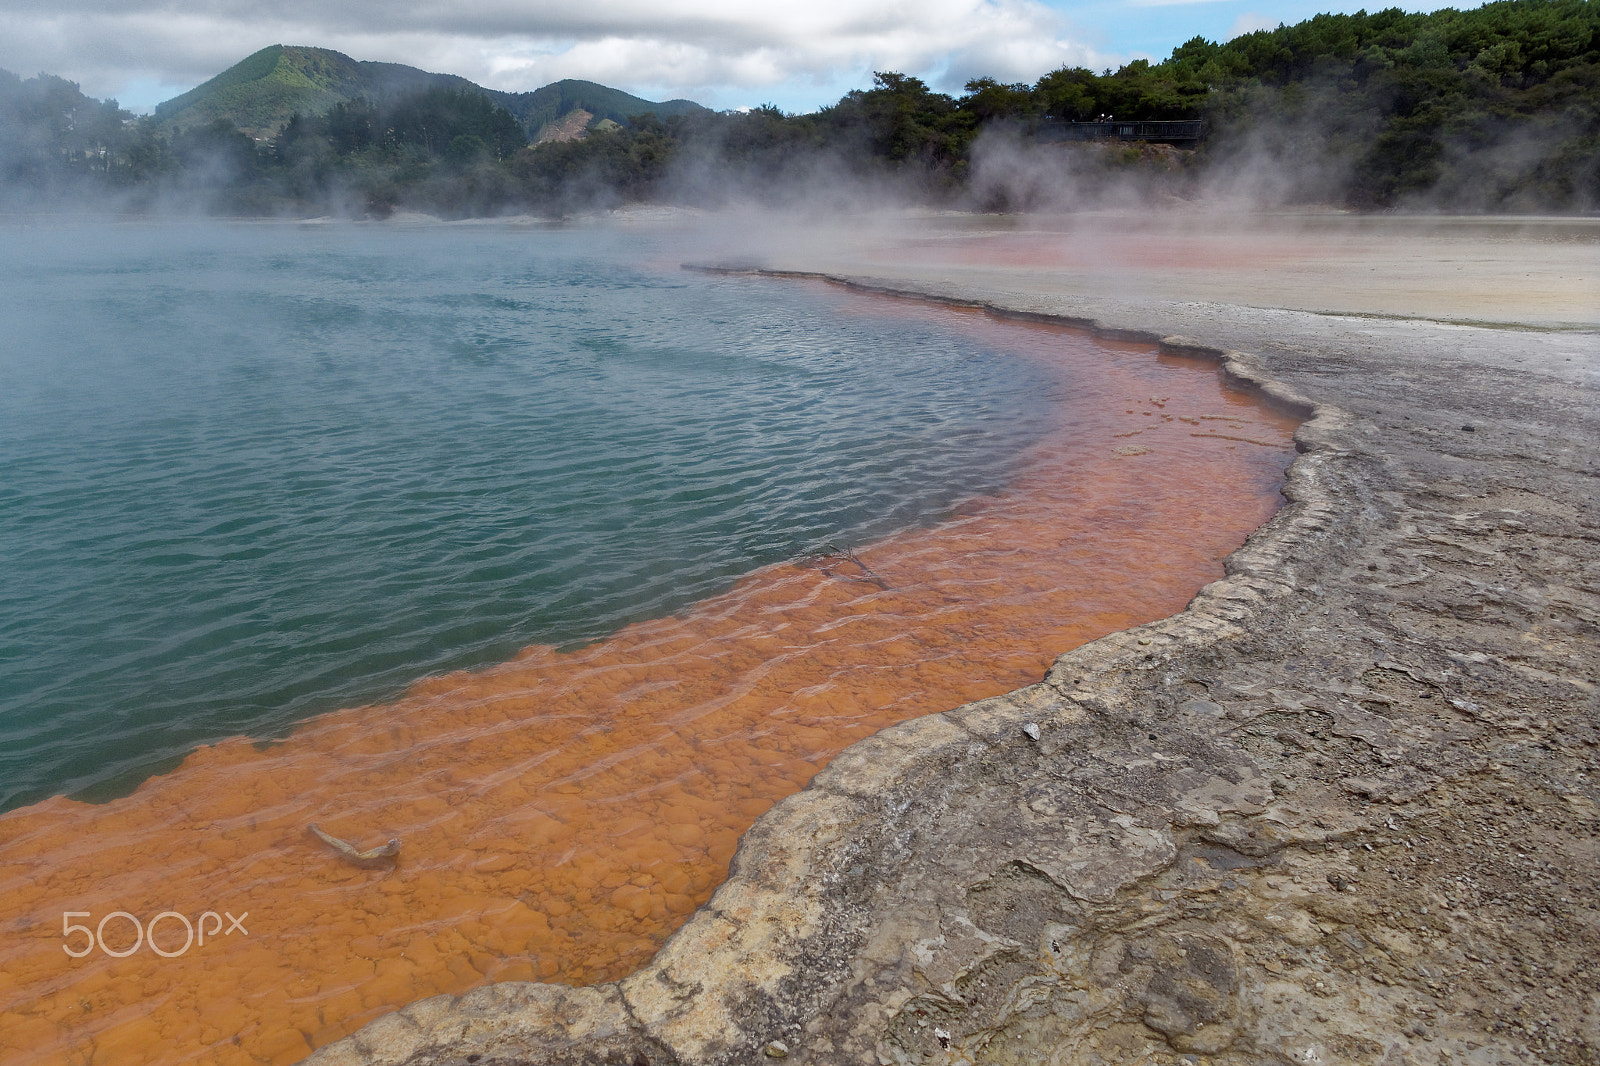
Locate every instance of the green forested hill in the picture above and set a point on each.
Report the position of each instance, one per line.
(259, 93)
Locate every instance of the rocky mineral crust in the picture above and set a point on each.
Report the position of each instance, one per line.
(1343, 809)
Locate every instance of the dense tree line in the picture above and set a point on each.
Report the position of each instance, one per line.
(51, 135)
(1496, 108)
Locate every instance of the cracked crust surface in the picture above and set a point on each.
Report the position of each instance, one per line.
(1343, 809)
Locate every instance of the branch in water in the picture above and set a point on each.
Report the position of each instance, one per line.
(381, 855)
(833, 551)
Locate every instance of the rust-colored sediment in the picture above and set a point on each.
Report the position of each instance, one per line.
(563, 813)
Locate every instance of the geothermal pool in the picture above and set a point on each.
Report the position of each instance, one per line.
(555, 562)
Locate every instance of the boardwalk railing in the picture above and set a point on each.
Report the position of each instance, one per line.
(1182, 133)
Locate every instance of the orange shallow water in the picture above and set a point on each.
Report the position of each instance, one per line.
(564, 812)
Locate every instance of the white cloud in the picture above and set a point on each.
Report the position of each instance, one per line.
(723, 52)
(1250, 22)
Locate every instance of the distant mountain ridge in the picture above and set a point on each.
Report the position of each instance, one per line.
(261, 91)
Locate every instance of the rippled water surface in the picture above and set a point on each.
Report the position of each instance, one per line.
(251, 473)
(255, 473)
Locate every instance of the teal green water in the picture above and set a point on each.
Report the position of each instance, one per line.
(251, 473)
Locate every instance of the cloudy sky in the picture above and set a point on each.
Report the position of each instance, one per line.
(723, 53)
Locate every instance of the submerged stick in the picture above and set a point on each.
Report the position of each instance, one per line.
(371, 857)
(849, 555)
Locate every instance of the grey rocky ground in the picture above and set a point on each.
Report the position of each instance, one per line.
(1344, 809)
